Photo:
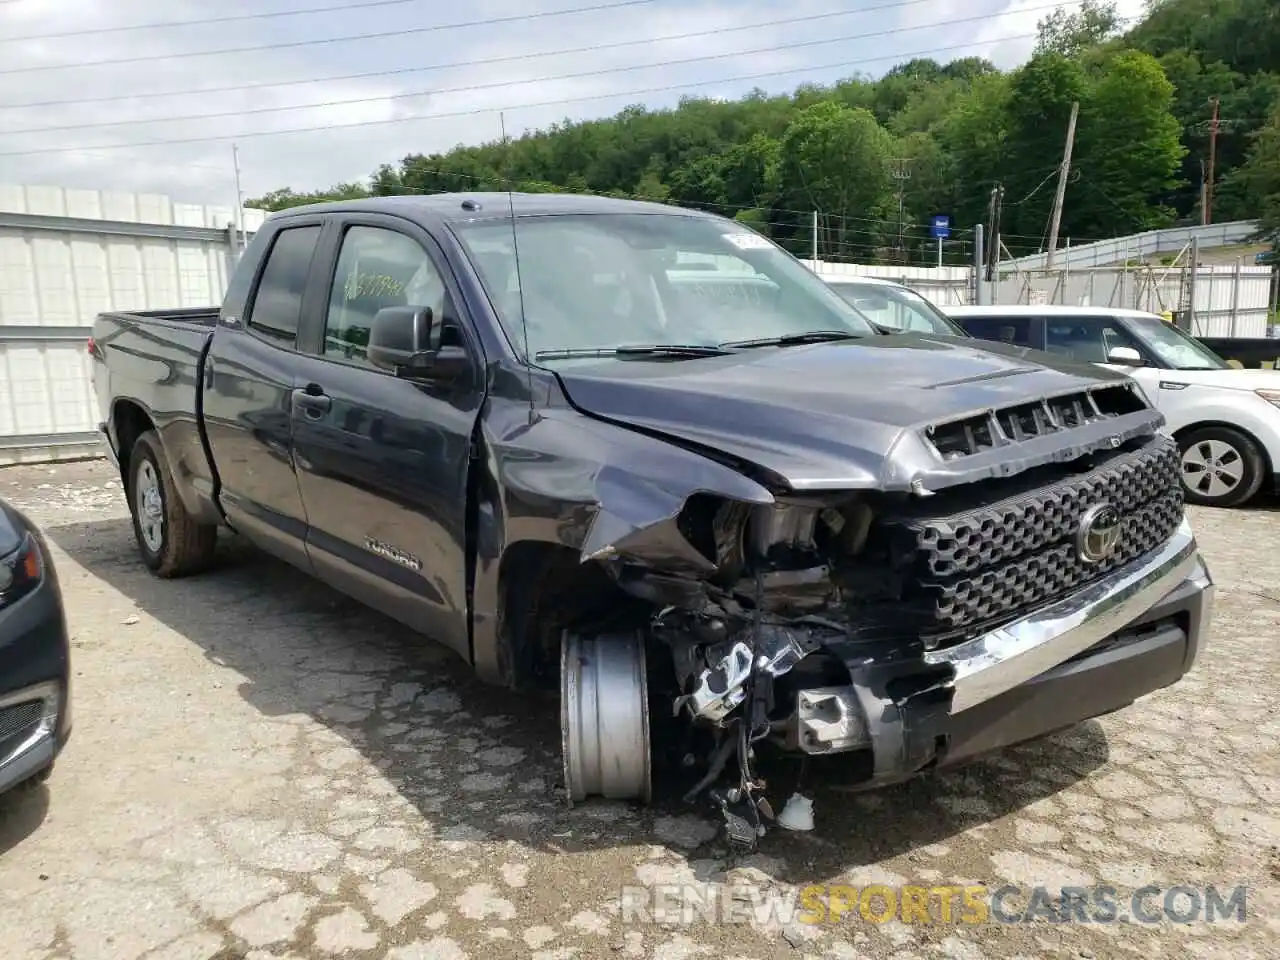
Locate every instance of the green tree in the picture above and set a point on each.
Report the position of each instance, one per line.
(285, 197)
(835, 159)
(1039, 109)
(1259, 179)
(1071, 34)
(1128, 150)
(974, 136)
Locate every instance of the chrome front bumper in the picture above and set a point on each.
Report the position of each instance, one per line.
(997, 662)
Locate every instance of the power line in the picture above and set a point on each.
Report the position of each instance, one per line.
(206, 21)
(144, 95)
(470, 88)
(505, 182)
(242, 135)
(347, 38)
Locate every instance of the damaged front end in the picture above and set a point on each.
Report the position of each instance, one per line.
(855, 623)
(757, 615)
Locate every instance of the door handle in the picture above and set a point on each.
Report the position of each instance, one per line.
(312, 401)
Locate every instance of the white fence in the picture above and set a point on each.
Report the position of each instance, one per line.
(66, 255)
(945, 286)
(1138, 246)
(1230, 301)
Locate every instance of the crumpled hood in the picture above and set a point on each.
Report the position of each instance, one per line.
(849, 414)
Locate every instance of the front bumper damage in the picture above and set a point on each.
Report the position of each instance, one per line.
(904, 712)
(1129, 633)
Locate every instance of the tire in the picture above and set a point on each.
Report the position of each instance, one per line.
(1221, 467)
(171, 543)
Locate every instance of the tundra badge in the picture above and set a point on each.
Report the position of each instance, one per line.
(394, 554)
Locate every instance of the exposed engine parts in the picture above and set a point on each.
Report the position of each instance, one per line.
(810, 626)
(720, 689)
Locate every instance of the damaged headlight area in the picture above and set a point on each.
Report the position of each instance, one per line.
(851, 623)
(780, 626)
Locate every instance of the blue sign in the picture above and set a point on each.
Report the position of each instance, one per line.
(940, 228)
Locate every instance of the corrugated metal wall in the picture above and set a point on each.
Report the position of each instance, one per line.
(945, 286)
(1230, 301)
(65, 255)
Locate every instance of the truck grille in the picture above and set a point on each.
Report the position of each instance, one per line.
(987, 563)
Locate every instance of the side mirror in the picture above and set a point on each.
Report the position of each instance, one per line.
(400, 341)
(1127, 356)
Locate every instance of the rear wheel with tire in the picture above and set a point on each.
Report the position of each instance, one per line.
(1221, 467)
(171, 542)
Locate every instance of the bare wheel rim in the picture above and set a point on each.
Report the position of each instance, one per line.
(1212, 468)
(604, 718)
(150, 507)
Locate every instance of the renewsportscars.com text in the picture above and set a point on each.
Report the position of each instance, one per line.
(938, 904)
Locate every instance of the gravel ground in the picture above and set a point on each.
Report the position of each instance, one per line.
(263, 769)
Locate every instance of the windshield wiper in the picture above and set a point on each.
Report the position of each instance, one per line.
(672, 350)
(791, 339)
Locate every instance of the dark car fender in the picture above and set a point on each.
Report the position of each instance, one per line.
(569, 483)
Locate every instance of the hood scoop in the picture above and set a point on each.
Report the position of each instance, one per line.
(1002, 427)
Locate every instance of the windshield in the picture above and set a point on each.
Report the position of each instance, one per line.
(1174, 347)
(897, 308)
(603, 281)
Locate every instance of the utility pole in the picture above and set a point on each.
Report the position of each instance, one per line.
(901, 173)
(235, 164)
(1204, 196)
(815, 241)
(1063, 173)
(1213, 152)
(979, 261)
(994, 243)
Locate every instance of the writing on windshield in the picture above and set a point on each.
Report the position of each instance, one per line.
(602, 281)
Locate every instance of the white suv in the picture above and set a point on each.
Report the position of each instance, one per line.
(1226, 420)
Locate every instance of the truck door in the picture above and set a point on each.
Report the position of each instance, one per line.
(247, 394)
(382, 462)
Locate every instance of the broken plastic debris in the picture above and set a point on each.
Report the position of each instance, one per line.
(797, 814)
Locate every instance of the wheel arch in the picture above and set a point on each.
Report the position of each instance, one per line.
(130, 419)
(1235, 428)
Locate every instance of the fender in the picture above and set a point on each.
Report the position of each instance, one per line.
(570, 481)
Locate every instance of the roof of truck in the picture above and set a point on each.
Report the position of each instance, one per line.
(482, 205)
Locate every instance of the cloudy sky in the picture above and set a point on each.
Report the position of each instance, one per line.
(422, 84)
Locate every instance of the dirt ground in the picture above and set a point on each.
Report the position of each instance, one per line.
(263, 769)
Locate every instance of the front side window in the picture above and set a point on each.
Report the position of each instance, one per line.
(377, 268)
(1088, 339)
(277, 304)
(602, 281)
(1011, 330)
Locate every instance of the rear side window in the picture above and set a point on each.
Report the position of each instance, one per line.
(277, 306)
(1014, 330)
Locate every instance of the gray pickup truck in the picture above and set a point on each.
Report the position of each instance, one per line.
(642, 457)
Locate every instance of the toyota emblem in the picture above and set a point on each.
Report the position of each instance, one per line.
(1099, 533)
